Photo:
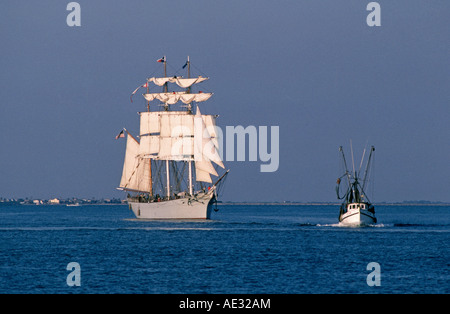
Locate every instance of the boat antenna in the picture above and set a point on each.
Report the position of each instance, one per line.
(362, 159)
(345, 165)
(372, 149)
(353, 161)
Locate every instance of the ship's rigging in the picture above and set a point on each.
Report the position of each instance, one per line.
(177, 151)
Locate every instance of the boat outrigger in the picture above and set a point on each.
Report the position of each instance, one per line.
(356, 208)
(167, 172)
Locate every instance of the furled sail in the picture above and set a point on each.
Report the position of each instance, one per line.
(174, 97)
(182, 82)
(136, 170)
(160, 81)
(188, 82)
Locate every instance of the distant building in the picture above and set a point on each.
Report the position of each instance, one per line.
(54, 201)
(37, 202)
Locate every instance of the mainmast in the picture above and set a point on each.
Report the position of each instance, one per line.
(166, 108)
(149, 160)
(190, 112)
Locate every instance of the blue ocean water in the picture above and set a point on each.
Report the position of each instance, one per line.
(242, 249)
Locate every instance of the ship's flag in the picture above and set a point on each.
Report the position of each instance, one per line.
(163, 59)
(121, 134)
(144, 85)
(185, 65)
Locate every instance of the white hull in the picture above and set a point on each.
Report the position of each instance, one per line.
(183, 208)
(357, 216)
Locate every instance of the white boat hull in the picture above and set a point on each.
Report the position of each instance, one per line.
(199, 207)
(357, 217)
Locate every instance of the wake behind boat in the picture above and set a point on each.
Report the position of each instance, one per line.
(168, 171)
(356, 209)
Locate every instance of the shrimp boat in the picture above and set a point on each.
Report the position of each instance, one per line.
(167, 172)
(356, 209)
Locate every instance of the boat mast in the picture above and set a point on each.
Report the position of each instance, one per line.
(353, 161)
(190, 111)
(372, 149)
(166, 108)
(345, 165)
(149, 160)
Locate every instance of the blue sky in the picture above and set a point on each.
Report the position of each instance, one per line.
(313, 68)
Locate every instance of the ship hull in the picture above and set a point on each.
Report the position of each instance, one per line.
(183, 208)
(357, 216)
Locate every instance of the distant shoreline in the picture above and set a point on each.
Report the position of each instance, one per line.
(333, 204)
(81, 202)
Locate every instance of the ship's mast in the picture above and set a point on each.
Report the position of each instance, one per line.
(149, 160)
(166, 108)
(189, 88)
(190, 111)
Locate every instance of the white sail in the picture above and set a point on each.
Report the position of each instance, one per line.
(188, 125)
(211, 146)
(136, 170)
(150, 97)
(150, 145)
(150, 123)
(201, 175)
(167, 135)
(188, 82)
(199, 97)
(182, 82)
(174, 97)
(181, 148)
(169, 98)
(165, 148)
(204, 151)
(160, 81)
(210, 122)
(175, 123)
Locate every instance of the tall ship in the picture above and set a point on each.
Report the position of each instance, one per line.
(356, 208)
(168, 168)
